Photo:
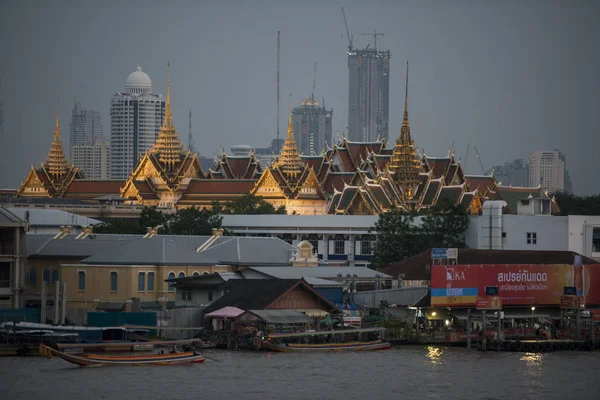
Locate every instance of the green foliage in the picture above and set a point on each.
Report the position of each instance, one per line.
(571, 204)
(192, 221)
(151, 217)
(247, 204)
(123, 226)
(443, 225)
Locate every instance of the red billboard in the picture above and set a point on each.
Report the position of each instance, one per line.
(488, 303)
(518, 284)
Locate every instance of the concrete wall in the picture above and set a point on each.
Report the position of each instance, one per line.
(580, 231)
(401, 297)
(551, 232)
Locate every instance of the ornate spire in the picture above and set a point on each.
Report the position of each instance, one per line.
(289, 161)
(56, 163)
(404, 161)
(405, 137)
(167, 144)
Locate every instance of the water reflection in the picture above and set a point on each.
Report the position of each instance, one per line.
(434, 354)
(533, 359)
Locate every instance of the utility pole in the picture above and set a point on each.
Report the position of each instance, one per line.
(278, 68)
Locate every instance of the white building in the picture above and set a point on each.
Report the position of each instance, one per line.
(547, 169)
(13, 259)
(92, 160)
(135, 119)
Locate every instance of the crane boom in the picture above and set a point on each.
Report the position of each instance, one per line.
(314, 82)
(375, 34)
(479, 159)
(347, 31)
(466, 157)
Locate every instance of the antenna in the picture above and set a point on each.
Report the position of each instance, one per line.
(1, 109)
(347, 31)
(278, 68)
(314, 83)
(190, 137)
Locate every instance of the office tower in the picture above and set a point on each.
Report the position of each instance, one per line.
(136, 116)
(92, 160)
(85, 128)
(312, 127)
(369, 92)
(514, 173)
(547, 169)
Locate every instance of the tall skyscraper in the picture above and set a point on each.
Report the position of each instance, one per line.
(514, 173)
(547, 169)
(312, 127)
(92, 160)
(135, 120)
(369, 94)
(85, 128)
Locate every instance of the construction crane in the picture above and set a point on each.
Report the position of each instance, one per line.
(375, 34)
(466, 157)
(278, 67)
(479, 159)
(314, 83)
(190, 137)
(451, 149)
(347, 31)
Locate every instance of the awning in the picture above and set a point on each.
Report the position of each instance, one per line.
(282, 316)
(225, 312)
(314, 312)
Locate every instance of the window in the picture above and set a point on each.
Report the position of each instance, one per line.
(210, 295)
(195, 274)
(186, 295)
(171, 276)
(339, 245)
(32, 276)
(366, 245)
(141, 281)
(531, 238)
(81, 280)
(151, 281)
(114, 281)
(46, 276)
(54, 275)
(181, 275)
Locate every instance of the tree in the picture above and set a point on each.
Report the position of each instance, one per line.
(247, 204)
(192, 221)
(151, 217)
(397, 238)
(122, 226)
(444, 225)
(571, 204)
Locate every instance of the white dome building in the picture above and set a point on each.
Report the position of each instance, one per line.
(138, 82)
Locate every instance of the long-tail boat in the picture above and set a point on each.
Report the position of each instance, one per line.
(87, 360)
(300, 342)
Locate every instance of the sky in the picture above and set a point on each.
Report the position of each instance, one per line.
(508, 77)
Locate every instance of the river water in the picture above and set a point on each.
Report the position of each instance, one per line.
(402, 372)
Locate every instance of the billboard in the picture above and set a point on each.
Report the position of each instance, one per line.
(488, 303)
(518, 284)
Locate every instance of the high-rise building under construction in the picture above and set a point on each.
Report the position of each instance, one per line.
(369, 94)
(312, 127)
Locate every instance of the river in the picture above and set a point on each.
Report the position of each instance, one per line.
(402, 372)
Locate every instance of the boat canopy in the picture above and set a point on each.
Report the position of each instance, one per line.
(225, 312)
(282, 316)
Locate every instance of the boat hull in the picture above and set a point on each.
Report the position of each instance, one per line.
(108, 360)
(303, 348)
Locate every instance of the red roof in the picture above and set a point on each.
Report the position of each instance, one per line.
(220, 186)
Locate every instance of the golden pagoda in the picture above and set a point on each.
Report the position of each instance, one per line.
(52, 178)
(404, 162)
(289, 161)
(56, 163)
(163, 174)
(168, 146)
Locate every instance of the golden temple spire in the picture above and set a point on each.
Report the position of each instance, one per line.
(168, 146)
(289, 160)
(56, 163)
(405, 137)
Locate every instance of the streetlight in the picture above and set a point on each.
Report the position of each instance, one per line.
(532, 310)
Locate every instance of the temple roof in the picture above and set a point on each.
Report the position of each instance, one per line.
(56, 163)
(289, 161)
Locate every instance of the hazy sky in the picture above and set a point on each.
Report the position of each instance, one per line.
(506, 76)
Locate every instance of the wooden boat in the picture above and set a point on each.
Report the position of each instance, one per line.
(311, 341)
(87, 360)
(302, 348)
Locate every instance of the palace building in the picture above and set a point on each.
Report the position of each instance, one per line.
(352, 178)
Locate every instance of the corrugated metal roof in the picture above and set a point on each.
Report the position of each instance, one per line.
(242, 250)
(302, 221)
(150, 251)
(49, 217)
(7, 216)
(44, 246)
(281, 316)
(318, 272)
